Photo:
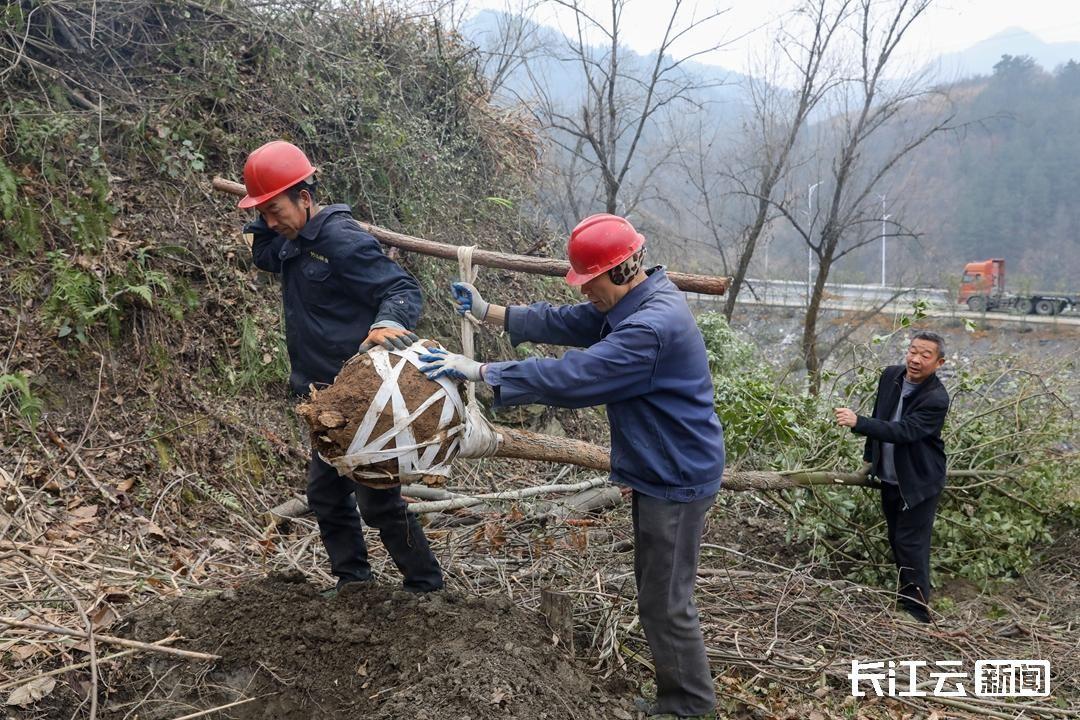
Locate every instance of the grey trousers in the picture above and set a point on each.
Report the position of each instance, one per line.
(667, 543)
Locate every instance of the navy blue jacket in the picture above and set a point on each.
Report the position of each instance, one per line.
(919, 453)
(335, 284)
(645, 359)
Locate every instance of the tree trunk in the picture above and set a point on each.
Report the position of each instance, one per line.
(705, 284)
(558, 609)
(746, 255)
(809, 343)
(549, 448)
(813, 310)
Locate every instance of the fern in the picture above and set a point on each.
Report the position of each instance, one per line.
(75, 299)
(29, 406)
(79, 299)
(18, 218)
(262, 358)
(219, 495)
(141, 291)
(9, 192)
(24, 281)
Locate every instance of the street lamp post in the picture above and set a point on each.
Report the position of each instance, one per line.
(809, 249)
(884, 217)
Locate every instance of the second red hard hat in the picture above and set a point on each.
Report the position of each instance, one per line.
(599, 243)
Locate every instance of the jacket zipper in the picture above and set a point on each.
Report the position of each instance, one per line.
(900, 392)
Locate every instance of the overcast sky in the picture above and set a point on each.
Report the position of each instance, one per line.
(949, 26)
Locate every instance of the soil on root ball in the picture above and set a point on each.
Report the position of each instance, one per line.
(334, 413)
(376, 653)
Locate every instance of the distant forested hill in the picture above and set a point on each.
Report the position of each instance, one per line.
(1006, 183)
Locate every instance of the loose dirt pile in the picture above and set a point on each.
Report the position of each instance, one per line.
(335, 413)
(378, 653)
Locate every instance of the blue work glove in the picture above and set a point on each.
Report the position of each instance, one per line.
(451, 365)
(468, 299)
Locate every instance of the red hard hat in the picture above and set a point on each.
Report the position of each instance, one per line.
(272, 169)
(599, 243)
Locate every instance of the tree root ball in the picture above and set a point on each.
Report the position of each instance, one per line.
(334, 414)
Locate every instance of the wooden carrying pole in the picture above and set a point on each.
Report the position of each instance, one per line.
(705, 284)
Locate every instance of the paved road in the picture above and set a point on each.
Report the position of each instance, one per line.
(787, 293)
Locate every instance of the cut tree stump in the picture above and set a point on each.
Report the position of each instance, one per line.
(558, 609)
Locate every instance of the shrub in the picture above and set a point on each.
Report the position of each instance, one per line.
(1007, 436)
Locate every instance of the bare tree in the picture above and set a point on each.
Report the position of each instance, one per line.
(603, 130)
(515, 39)
(700, 155)
(871, 110)
(780, 116)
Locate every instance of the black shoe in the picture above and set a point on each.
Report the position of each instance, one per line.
(347, 587)
(649, 709)
(907, 614)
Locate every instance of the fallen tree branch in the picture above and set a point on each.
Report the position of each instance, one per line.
(582, 503)
(749, 480)
(463, 502)
(110, 640)
(705, 284)
(219, 708)
(765, 480)
(74, 666)
(298, 506)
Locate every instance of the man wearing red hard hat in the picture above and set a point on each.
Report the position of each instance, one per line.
(642, 356)
(340, 294)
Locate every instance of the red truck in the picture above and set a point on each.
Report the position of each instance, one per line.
(982, 288)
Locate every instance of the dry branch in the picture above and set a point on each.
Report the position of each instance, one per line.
(463, 502)
(704, 284)
(110, 640)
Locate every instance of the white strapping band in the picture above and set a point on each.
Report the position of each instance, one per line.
(415, 459)
(480, 438)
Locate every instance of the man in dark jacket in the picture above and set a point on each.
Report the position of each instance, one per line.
(906, 453)
(644, 358)
(340, 294)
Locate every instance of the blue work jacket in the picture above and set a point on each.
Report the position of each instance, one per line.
(645, 359)
(335, 284)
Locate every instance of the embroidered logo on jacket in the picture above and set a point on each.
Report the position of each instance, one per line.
(320, 258)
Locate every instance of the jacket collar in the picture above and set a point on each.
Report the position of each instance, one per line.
(633, 299)
(313, 227)
(925, 385)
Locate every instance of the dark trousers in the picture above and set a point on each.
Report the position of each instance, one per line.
(667, 543)
(334, 500)
(909, 538)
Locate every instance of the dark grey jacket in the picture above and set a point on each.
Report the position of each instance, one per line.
(920, 451)
(335, 283)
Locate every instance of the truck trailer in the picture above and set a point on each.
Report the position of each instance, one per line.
(982, 288)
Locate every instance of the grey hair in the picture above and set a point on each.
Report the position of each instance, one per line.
(931, 337)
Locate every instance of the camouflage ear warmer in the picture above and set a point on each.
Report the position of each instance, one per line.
(628, 268)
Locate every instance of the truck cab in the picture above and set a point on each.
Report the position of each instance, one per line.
(981, 281)
(982, 288)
